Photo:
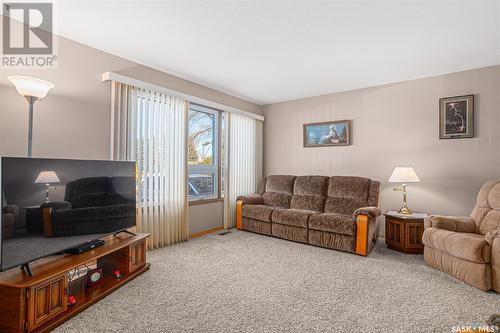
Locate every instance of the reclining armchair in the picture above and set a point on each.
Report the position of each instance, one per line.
(468, 248)
(10, 214)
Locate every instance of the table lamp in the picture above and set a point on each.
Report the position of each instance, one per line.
(32, 89)
(47, 178)
(404, 175)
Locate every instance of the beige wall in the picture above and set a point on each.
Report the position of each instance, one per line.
(73, 120)
(396, 125)
(206, 216)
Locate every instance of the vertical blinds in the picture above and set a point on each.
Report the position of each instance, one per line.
(150, 128)
(161, 163)
(243, 161)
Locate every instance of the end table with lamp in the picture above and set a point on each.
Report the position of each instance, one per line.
(404, 228)
(34, 223)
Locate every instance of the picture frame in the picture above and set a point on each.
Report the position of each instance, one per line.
(456, 117)
(326, 134)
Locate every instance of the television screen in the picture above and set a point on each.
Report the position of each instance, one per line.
(50, 205)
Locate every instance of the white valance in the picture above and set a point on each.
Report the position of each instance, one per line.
(112, 76)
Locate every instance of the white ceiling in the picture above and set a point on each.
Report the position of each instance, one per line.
(272, 51)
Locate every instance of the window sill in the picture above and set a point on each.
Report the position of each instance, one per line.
(204, 201)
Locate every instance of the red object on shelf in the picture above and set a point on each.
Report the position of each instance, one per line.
(117, 274)
(71, 300)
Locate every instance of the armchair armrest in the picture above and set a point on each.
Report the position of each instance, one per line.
(451, 223)
(368, 211)
(252, 199)
(11, 209)
(491, 235)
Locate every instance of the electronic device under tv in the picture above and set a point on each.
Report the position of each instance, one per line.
(51, 206)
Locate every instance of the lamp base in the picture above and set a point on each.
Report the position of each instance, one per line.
(405, 210)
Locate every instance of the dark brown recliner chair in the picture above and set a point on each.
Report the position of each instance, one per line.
(334, 212)
(10, 215)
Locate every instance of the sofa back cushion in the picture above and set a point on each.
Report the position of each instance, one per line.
(279, 190)
(486, 213)
(86, 192)
(346, 194)
(309, 193)
(120, 191)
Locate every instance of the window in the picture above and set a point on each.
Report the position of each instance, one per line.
(203, 153)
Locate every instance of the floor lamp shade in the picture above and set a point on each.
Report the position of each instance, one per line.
(31, 86)
(32, 89)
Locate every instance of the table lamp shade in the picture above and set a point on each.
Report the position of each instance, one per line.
(404, 175)
(31, 86)
(47, 177)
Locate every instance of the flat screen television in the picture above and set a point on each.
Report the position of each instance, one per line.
(51, 205)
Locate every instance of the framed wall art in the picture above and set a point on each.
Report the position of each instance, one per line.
(330, 133)
(456, 117)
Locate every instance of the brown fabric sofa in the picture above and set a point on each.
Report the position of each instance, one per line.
(334, 212)
(468, 248)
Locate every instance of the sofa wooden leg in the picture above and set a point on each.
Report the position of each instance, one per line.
(239, 205)
(362, 235)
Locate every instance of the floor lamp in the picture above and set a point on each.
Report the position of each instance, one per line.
(32, 89)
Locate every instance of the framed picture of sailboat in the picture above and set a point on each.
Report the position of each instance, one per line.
(456, 117)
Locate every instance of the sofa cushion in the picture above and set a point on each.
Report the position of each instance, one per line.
(311, 185)
(346, 194)
(277, 199)
(280, 183)
(296, 234)
(256, 226)
(294, 217)
(332, 240)
(279, 190)
(331, 222)
(120, 191)
(257, 212)
(467, 246)
(86, 192)
(309, 193)
(307, 202)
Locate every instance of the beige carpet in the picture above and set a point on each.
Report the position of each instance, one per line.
(244, 282)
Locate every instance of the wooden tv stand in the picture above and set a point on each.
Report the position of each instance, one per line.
(40, 303)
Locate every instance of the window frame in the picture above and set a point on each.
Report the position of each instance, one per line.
(213, 169)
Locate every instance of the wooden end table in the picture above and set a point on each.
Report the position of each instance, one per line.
(403, 233)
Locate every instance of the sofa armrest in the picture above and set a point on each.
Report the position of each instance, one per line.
(368, 211)
(366, 229)
(252, 199)
(57, 205)
(48, 209)
(451, 223)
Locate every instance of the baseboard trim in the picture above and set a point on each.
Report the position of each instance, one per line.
(205, 232)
